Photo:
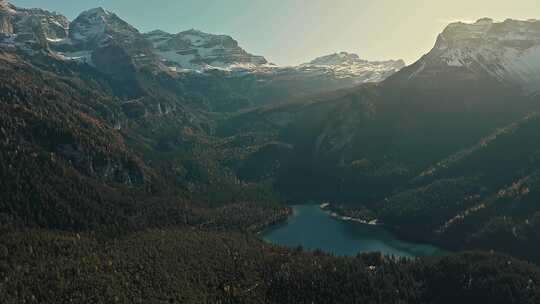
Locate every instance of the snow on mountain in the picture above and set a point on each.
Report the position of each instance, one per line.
(348, 65)
(101, 38)
(508, 51)
(196, 50)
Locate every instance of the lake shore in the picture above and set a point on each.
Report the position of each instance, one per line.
(314, 228)
(400, 233)
(326, 207)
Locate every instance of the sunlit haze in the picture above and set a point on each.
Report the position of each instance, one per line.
(295, 31)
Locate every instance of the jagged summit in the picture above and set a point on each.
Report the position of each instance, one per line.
(97, 26)
(486, 28)
(100, 11)
(157, 32)
(484, 20)
(194, 49)
(338, 58)
(196, 32)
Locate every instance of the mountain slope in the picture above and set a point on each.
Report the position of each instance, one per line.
(492, 205)
(383, 135)
(76, 155)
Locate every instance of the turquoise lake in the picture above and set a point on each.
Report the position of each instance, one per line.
(313, 228)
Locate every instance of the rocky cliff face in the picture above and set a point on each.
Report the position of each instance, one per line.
(27, 27)
(6, 27)
(102, 39)
(97, 28)
(198, 50)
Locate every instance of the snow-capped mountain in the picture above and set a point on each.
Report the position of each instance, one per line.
(348, 65)
(508, 51)
(102, 39)
(196, 50)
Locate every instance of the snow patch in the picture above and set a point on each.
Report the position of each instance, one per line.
(80, 56)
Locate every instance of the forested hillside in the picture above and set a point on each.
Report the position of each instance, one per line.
(193, 266)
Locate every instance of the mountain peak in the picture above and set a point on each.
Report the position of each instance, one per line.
(98, 26)
(194, 31)
(508, 51)
(157, 32)
(100, 11)
(484, 21)
(348, 59)
(205, 36)
(338, 59)
(350, 65)
(510, 34)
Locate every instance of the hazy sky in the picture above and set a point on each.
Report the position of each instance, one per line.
(296, 31)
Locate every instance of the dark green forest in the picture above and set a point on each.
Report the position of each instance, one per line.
(196, 266)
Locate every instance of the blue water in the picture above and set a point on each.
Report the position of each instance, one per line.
(312, 228)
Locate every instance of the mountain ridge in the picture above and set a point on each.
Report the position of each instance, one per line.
(194, 49)
(186, 51)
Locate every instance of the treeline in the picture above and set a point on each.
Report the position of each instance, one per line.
(193, 266)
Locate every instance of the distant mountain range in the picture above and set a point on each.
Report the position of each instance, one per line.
(191, 50)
